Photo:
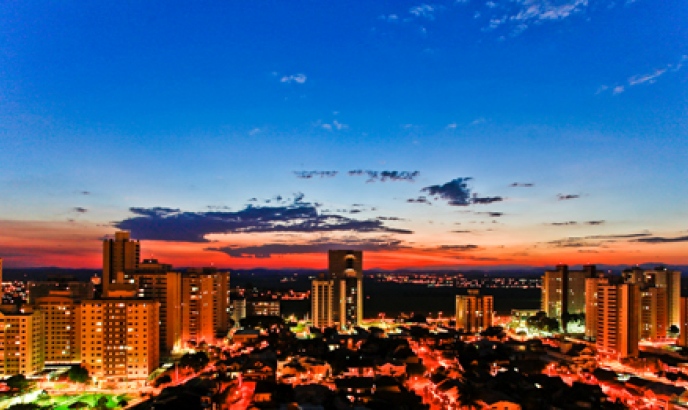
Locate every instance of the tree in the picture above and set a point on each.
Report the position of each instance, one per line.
(196, 361)
(468, 396)
(674, 330)
(78, 375)
(18, 382)
(102, 402)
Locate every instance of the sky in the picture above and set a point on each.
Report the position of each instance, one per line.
(438, 135)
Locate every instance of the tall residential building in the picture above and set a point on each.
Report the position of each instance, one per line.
(669, 280)
(21, 341)
(653, 313)
(0, 273)
(205, 305)
(159, 282)
(120, 257)
(683, 328)
(119, 338)
(238, 309)
(346, 270)
(60, 311)
(322, 299)
(474, 312)
(563, 291)
(618, 322)
(591, 285)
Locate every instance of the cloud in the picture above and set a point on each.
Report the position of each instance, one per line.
(456, 192)
(461, 231)
(598, 222)
(295, 78)
(660, 239)
(573, 243)
(618, 89)
(419, 200)
(620, 236)
(80, 210)
(426, 11)
(383, 176)
(645, 78)
(485, 200)
(459, 247)
(478, 121)
(319, 247)
(170, 224)
(312, 174)
(522, 185)
(492, 214)
(390, 218)
(85, 192)
(519, 15)
(563, 223)
(336, 125)
(390, 18)
(563, 197)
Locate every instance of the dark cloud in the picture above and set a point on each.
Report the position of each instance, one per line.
(253, 200)
(492, 214)
(600, 222)
(563, 223)
(456, 192)
(573, 243)
(419, 200)
(320, 247)
(390, 218)
(522, 184)
(383, 176)
(620, 236)
(461, 231)
(312, 174)
(485, 200)
(170, 224)
(563, 197)
(85, 192)
(80, 210)
(659, 239)
(459, 247)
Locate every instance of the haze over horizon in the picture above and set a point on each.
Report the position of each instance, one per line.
(427, 134)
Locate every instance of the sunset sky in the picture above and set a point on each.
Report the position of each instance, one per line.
(249, 134)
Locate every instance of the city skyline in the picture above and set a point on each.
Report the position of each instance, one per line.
(428, 135)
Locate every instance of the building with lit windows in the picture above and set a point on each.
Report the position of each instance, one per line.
(60, 323)
(474, 312)
(159, 282)
(346, 270)
(653, 314)
(205, 305)
(683, 311)
(670, 281)
(119, 338)
(591, 285)
(618, 322)
(563, 291)
(21, 341)
(121, 256)
(263, 307)
(322, 294)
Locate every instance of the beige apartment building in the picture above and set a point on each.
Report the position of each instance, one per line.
(474, 312)
(205, 306)
(21, 341)
(322, 294)
(119, 338)
(618, 322)
(60, 313)
(121, 257)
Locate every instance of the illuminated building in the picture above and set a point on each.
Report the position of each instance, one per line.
(120, 257)
(346, 270)
(205, 305)
(0, 272)
(683, 335)
(262, 307)
(617, 320)
(670, 281)
(653, 313)
(67, 285)
(591, 285)
(119, 337)
(60, 311)
(159, 282)
(474, 312)
(238, 309)
(322, 294)
(21, 341)
(563, 291)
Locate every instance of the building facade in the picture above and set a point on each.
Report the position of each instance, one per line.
(22, 342)
(618, 325)
(474, 312)
(346, 270)
(121, 256)
(322, 300)
(205, 305)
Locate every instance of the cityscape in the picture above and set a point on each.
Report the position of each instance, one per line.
(409, 204)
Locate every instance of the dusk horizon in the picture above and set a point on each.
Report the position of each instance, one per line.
(444, 135)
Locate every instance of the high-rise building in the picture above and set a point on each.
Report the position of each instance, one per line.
(683, 328)
(157, 281)
(21, 341)
(238, 309)
(669, 280)
(563, 292)
(322, 300)
(205, 305)
(653, 313)
(591, 285)
(0, 273)
(60, 311)
(474, 312)
(263, 307)
(120, 258)
(618, 322)
(119, 338)
(346, 270)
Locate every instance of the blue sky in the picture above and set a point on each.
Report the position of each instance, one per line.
(201, 108)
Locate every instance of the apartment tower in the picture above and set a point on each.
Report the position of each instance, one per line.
(563, 292)
(618, 323)
(346, 271)
(21, 341)
(121, 257)
(474, 312)
(322, 300)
